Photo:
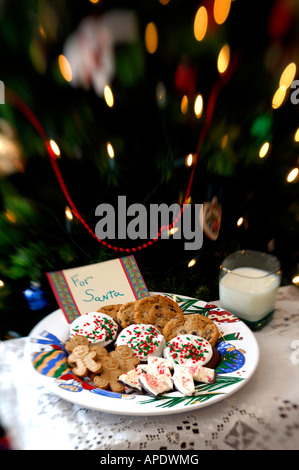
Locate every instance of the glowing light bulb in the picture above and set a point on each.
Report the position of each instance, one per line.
(68, 213)
(223, 59)
(110, 150)
(288, 75)
(173, 230)
(108, 96)
(279, 97)
(221, 10)
(292, 175)
(151, 38)
(191, 263)
(296, 136)
(55, 147)
(189, 159)
(264, 150)
(240, 221)
(198, 106)
(224, 141)
(65, 68)
(295, 280)
(1, 283)
(200, 23)
(184, 104)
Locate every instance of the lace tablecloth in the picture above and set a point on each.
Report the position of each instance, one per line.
(262, 415)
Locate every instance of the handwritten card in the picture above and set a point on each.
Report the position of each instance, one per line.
(88, 288)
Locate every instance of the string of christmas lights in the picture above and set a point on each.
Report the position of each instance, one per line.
(53, 152)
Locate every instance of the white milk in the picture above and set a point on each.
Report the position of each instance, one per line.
(250, 298)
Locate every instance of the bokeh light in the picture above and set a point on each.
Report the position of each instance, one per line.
(200, 23)
(151, 38)
(65, 68)
(55, 147)
(264, 150)
(288, 75)
(108, 95)
(191, 263)
(223, 59)
(189, 159)
(68, 213)
(184, 104)
(292, 176)
(279, 97)
(221, 10)
(198, 106)
(110, 150)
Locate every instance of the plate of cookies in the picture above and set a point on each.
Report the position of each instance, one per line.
(161, 354)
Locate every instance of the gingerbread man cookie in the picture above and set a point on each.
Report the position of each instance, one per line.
(76, 341)
(100, 350)
(109, 375)
(125, 358)
(85, 360)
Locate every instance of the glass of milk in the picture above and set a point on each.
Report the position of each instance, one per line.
(248, 285)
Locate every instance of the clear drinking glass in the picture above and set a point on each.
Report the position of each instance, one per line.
(248, 284)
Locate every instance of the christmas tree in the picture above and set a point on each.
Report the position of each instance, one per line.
(159, 101)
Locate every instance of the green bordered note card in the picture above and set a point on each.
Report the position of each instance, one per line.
(88, 288)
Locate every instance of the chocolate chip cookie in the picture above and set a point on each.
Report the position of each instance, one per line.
(194, 324)
(111, 310)
(125, 315)
(157, 310)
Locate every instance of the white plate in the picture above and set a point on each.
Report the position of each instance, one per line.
(239, 358)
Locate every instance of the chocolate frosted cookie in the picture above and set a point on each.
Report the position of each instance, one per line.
(158, 310)
(194, 324)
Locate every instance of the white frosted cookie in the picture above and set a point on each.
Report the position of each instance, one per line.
(188, 350)
(97, 327)
(143, 339)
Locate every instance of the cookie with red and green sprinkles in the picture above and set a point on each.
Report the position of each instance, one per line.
(188, 350)
(97, 327)
(145, 340)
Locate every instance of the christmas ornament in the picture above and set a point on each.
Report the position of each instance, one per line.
(90, 49)
(185, 79)
(35, 296)
(210, 218)
(11, 158)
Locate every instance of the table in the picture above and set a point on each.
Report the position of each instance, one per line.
(262, 415)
